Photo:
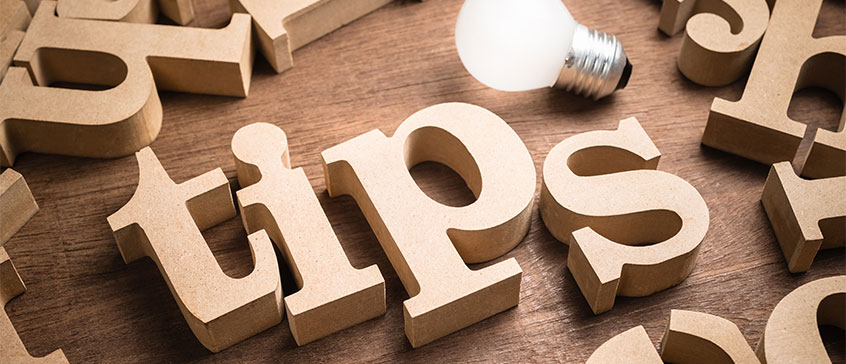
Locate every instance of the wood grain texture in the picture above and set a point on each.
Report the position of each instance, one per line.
(371, 74)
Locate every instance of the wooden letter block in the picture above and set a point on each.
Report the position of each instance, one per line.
(721, 38)
(792, 332)
(132, 11)
(690, 338)
(17, 205)
(283, 26)
(333, 295)
(12, 350)
(790, 337)
(8, 46)
(806, 215)
(429, 243)
(31, 5)
(630, 347)
(163, 220)
(827, 157)
(694, 337)
(127, 57)
(14, 18)
(602, 195)
(790, 58)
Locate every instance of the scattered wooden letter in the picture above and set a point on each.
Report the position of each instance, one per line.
(694, 337)
(790, 59)
(429, 243)
(333, 295)
(283, 26)
(17, 205)
(12, 349)
(640, 206)
(8, 45)
(630, 347)
(163, 220)
(31, 5)
(132, 11)
(127, 57)
(14, 18)
(690, 338)
(790, 337)
(792, 333)
(827, 157)
(806, 215)
(721, 37)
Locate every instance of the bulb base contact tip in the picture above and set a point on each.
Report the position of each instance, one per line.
(596, 65)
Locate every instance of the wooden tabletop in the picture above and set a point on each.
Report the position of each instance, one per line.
(372, 74)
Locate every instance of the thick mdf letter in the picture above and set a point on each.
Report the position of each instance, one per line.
(333, 295)
(132, 11)
(8, 45)
(17, 205)
(630, 347)
(806, 215)
(31, 5)
(790, 58)
(12, 350)
(721, 36)
(792, 334)
(120, 120)
(601, 195)
(690, 338)
(163, 220)
(429, 243)
(283, 26)
(14, 18)
(694, 337)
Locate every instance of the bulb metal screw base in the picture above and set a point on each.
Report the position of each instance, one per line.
(596, 65)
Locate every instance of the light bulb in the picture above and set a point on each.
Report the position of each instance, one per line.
(518, 45)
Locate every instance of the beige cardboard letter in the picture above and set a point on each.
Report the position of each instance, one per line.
(694, 337)
(630, 347)
(429, 243)
(690, 338)
(14, 18)
(721, 37)
(806, 215)
(790, 59)
(163, 220)
(124, 56)
(131, 11)
(282, 26)
(17, 205)
(333, 295)
(602, 195)
(12, 349)
(792, 333)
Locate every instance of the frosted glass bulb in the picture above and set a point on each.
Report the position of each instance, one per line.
(518, 45)
(514, 45)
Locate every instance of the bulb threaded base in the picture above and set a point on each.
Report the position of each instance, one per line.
(596, 65)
